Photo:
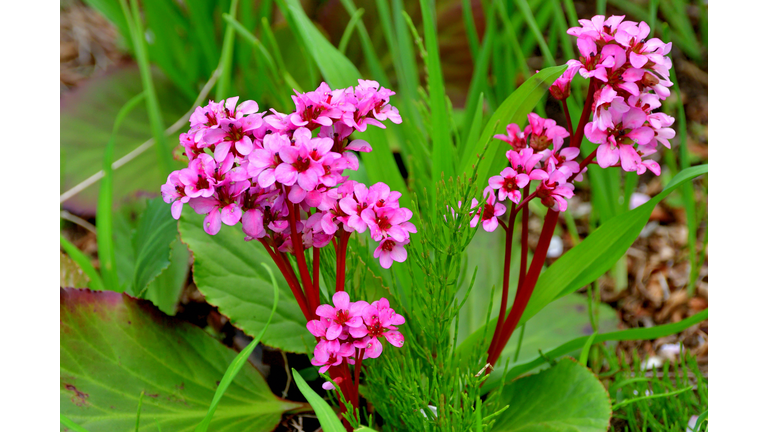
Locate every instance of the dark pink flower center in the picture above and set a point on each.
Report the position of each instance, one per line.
(509, 184)
(488, 212)
(388, 245)
(301, 164)
(375, 330)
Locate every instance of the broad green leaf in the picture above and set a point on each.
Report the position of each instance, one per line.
(238, 362)
(592, 257)
(513, 110)
(228, 271)
(164, 291)
(113, 347)
(152, 244)
(87, 116)
(566, 397)
(325, 414)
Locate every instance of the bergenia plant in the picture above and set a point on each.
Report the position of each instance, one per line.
(281, 178)
(628, 78)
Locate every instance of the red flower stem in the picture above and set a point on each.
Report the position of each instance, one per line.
(316, 270)
(524, 292)
(579, 133)
(290, 278)
(505, 282)
(524, 242)
(567, 117)
(339, 372)
(525, 200)
(587, 160)
(358, 366)
(298, 251)
(341, 261)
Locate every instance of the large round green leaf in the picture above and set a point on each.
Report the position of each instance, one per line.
(87, 117)
(228, 271)
(113, 347)
(565, 398)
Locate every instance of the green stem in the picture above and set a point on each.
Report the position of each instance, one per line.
(222, 87)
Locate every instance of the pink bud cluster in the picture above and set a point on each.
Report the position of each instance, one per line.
(266, 169)
(630, 78)
(531, 158)
(348, 331)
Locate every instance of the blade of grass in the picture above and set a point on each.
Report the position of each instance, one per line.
(688, 193)
(72, 425)
(349, 29)
(522, 6)
(585, 349)
(653, 396)
(442, 146)
(477, 120)
(153, 106)
(704, 22)
(647, 333)
(225, 63)
(84, 262)
(239, 360)
(138, 410)
(325, 414)
(470, 29)
(570, 10)
(370, 54)
(514, 109)
(479, 80)
(562, 29)
(601, 7)
(104, 238)
(262, 50)
(511, 33)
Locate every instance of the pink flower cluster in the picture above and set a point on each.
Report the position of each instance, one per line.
(630, 78)
(348, 330)
(531, 158)
(268, 171)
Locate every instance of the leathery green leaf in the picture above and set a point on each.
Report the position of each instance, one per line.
(566, 397)
(228, 271)
(113, 347)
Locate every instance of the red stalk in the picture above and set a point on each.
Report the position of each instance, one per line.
(505, 283)
(298, 251)
(567, 117)
(524, 242)
(358, 366)
(579, 133)
(524, 292)
(341, 261)
(290, 278)
(316, 272)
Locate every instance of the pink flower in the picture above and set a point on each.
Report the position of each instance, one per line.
(343, 314)
(263, 162)
(389, 222)
(390, 250)
(515, 138)
(488, 213)
(298, 167)
(327, 355)
(561, 88)
(544, 132)
(556, 190)
(173, 192)
(198, 177)
(379, 320)
(508, 183)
